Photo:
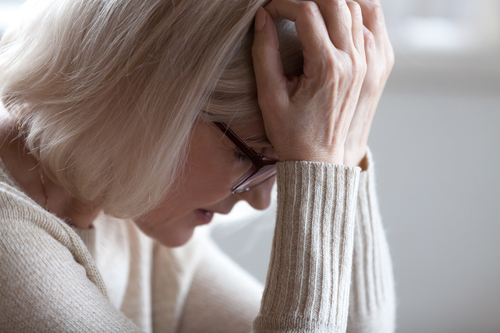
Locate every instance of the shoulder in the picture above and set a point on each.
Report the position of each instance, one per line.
(48, 279)
(32, 237)
(21, 217)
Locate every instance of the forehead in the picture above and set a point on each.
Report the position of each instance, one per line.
(253, 133)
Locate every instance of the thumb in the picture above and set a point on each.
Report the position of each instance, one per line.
(271, 82)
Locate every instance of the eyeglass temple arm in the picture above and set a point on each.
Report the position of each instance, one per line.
(239, 143)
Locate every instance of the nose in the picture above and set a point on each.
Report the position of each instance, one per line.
(260, 196)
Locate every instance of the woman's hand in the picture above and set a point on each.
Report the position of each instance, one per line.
(380, 59)
(308, 117)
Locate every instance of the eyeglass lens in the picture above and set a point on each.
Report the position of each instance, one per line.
(252, 179)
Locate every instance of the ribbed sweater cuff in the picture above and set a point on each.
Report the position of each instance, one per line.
(372, 307)
(309, 275)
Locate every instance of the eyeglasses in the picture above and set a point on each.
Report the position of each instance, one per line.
(262, 167)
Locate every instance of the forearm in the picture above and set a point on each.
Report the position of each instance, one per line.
(372, 301)
(307, 287)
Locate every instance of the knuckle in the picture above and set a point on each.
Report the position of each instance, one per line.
(345, 68)
(309, 9)
(359, 65)
(369, 40)
(330, 59)
(330, 66)
(360, 68)
(375, 11)
(357, 57)
(330, 73)
(339, 5)
(355, 7)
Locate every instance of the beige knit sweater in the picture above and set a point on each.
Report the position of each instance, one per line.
(329, 258)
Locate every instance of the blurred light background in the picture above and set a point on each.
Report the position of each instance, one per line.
(436, 143)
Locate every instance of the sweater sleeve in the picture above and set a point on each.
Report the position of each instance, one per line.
(372, 300)
(308, 281)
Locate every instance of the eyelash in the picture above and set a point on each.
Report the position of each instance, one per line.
(241, 157)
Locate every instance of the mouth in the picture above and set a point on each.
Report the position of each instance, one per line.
(205, 216)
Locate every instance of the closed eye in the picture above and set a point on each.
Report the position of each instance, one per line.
(241, 157)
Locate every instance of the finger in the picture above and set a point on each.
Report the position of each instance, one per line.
(268, 68)
(357, 26)
(373, 18)
(337, 18)
(372, 78)
(311, 29)
(370, 47)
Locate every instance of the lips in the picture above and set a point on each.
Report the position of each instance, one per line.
(205, 216)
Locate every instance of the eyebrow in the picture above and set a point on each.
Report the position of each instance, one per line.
(257, 141)
(254, 139)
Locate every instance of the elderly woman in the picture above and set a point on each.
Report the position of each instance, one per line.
(131, 122)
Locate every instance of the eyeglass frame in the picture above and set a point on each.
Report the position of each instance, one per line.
(259, 161)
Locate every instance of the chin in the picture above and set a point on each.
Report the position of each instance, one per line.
(174, 238)
(169, 233)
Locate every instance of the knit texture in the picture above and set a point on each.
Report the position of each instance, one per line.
(315, 251)
(372, 297)
(112, 278)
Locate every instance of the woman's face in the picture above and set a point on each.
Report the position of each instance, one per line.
(212, 165)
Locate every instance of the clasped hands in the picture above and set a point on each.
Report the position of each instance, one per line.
(324, 115)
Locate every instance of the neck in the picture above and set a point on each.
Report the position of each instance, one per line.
(23, 168)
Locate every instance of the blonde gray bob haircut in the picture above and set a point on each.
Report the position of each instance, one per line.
(108, 92)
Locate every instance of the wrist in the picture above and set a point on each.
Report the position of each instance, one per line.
(311, 155)
(356, 158)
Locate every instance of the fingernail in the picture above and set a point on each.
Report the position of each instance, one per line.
(260, 19)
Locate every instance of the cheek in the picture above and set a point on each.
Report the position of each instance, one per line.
(205, 184)
(208, 174)
(212, 166)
